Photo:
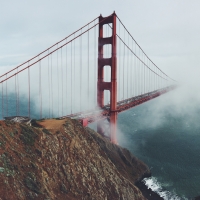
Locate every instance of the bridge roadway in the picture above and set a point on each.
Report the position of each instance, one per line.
(102, 113)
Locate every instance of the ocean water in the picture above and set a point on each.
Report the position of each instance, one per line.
(165, 134)
(8, 107)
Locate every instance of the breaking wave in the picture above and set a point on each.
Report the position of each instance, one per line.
(156, 187)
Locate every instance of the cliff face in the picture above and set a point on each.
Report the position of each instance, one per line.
(63, 160)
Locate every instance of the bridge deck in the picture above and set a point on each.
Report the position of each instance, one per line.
(123, 105)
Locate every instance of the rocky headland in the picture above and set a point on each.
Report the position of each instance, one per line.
(61, 159)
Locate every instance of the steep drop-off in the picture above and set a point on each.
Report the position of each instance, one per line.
(60, 159)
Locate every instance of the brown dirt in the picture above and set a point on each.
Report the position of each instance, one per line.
(52, 124)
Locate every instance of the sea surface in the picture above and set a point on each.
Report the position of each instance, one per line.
(165, 134)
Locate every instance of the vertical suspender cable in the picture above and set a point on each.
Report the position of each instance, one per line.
(132, 72)
(139, 69)
(128, 69)
(94, 66)
(51, 89)
(58, 81)
(74, 97)
(39, 75)
(123, 66)
(144, 77)
(40, 90)
(29, 113)
(151, 73)
(62, 79)
(16, 93)
(140, 72)
(157, 77)
(88, 68)
(66, 79)
(41, 86)
(80, 71)
(149, 81)
(49, 84)
(161, 80)
(6, 98)
(154, 78)
(160, 75)
(152, 87)
(71, 77)
(2, 101)
(18, 107)
(150, 78)
(143, 66)
(147, 76)
(135, 75)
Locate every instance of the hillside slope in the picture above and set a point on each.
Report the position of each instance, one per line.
(63, 160)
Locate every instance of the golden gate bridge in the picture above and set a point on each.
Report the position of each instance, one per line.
(91, 75)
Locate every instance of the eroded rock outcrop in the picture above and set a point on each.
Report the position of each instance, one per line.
(64, 160)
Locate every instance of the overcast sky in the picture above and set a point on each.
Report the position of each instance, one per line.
(167, 30)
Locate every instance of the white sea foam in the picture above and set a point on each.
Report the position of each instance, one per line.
(156, 187)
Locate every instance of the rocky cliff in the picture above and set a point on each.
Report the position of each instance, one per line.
(60, 159)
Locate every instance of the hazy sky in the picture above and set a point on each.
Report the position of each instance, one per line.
(167, 30)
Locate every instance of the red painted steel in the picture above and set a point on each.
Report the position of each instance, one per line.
(111, 86)
(84, 122)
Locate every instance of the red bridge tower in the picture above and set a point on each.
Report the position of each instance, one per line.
(102, 85)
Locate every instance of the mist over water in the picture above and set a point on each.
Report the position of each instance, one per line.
(165, 134)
